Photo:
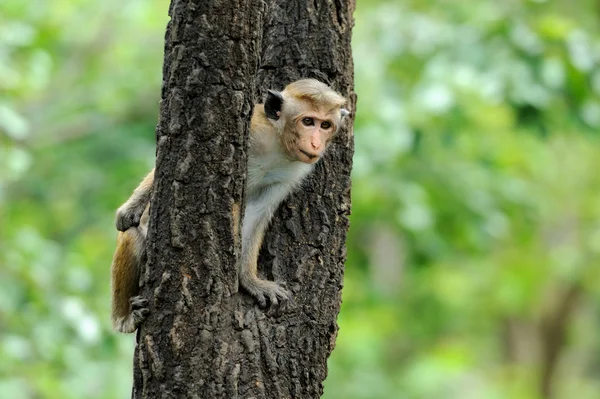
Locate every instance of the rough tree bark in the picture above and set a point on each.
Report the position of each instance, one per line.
(203, 339)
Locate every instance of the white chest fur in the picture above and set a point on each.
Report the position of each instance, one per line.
(275, 169)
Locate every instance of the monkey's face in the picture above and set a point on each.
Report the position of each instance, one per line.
(306, 115)
(315, 130)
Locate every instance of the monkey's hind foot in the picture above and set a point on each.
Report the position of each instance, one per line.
(139, 312)
(264, 290)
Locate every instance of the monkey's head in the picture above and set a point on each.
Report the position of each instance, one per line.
(307, 115)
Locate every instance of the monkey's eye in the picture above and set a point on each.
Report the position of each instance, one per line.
(325, 125)
(308, 121)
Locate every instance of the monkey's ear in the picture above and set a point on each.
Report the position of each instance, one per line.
(344, 113)
(273, 104)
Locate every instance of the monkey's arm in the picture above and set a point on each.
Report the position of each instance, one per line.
(259, 211)
(130, 212)
(128, 309)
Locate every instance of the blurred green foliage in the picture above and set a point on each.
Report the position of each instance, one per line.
(475, 239)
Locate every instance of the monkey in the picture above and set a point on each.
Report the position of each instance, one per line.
(289, 134)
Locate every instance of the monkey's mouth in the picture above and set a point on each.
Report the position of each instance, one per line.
(309, 155)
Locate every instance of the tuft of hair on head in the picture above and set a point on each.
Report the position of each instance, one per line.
(315, 92)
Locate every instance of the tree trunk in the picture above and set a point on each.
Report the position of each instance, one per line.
(203, 339)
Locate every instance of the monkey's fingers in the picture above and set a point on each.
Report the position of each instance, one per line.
(127, 218)
(139, 316)
(138, 302)
(279, 297)
(273, 299)
(286, 301)
(139, 309)
(265, 291)
(261, 298)
(278, 305)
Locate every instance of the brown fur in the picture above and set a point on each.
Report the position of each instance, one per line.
(125, 273)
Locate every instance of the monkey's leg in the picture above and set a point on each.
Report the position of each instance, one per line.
(257, 216)
(128, 309)
(130, 213)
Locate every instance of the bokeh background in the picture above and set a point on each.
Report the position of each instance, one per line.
(475, 239)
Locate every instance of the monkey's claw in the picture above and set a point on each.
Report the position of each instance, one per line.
(268, 291)
(127, 217)
(139, 309)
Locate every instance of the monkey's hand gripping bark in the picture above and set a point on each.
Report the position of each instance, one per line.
(263, 290)
(259, 209)
(130, 213)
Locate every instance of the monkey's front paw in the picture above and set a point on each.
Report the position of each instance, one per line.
(139, 309)
(128, 217)
(264, 290)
